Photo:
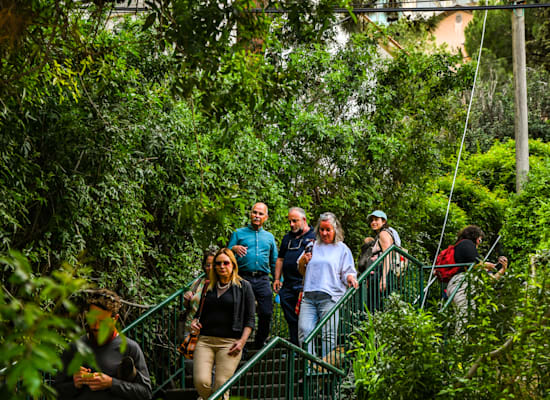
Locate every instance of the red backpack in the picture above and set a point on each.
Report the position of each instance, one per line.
(447, 257)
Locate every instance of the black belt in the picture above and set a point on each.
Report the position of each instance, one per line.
(253, 274)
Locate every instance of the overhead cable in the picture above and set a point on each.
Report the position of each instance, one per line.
(432, 276)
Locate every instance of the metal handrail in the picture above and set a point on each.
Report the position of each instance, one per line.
(351, 291)
(262, 353)
(162, 304)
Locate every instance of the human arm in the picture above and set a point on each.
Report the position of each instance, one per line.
(196, 326)
(188, 296)
(273, 256)
(140, 387)
(69, 386)
(238, 345)
(385, 240)
(503, 261)
(249, 317)
(236, 248)
(277, 277)
(304, 259)
(348, 273)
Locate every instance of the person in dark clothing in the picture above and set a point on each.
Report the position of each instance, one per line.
(226, 322)
(119, 375)
(292, 247)
(465, 251)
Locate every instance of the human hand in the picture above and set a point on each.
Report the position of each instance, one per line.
(307, 257)
(236, 348)
(240, 250)
(489, 266)
(99, 381)
(352, 281)
(369, 240)
(277, 284)
(79, 378)
(188, 295)
(196, 325)
(504, 262)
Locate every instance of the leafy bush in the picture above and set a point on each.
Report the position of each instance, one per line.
(398, 355)
(36, 321)
(501, 351)
(526, 227)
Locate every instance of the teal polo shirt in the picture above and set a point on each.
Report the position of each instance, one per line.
(262, 250)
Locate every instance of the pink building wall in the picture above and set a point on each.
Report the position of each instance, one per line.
(451, 31)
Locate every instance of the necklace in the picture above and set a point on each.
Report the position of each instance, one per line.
(221, 287)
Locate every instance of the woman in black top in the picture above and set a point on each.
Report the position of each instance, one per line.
(465, 249)
(226, 322)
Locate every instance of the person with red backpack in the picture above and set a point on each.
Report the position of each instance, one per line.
(465, 252)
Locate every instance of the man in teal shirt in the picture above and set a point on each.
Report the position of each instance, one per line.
(256, 253)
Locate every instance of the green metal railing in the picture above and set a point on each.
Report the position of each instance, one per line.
(332, 337)
(317, 370)
(438, 289)
(157, 334)
(279, 370)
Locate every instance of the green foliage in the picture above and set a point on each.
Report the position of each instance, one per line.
(526, 230)
(493, 112)
(35, 315)
(401, 357)
(500, 352)
(498, 36)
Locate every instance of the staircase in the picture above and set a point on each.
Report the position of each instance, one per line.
(282, 370)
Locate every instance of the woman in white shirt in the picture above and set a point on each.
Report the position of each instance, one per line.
(329, 270)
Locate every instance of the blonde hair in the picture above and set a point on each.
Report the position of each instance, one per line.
(235, 279)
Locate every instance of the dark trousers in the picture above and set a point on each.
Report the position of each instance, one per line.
(289, 297)
(264, 300)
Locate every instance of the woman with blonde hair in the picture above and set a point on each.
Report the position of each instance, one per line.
(226, 322)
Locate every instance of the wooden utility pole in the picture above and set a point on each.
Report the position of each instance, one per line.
(520, 98)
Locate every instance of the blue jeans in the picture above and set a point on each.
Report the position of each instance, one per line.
(315, 305)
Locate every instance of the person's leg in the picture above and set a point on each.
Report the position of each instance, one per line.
(264, 299)
(460, 299)
(308, 319)
(225, 364)
(330, 329)
(289, 298)
(203, 361)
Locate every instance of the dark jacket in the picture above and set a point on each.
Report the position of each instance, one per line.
(108, 358)
(244, 307)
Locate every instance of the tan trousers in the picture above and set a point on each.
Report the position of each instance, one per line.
(212, 351)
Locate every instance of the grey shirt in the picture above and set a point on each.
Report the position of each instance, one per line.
(108, 359)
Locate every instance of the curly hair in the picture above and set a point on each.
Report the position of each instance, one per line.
(471, 232)
(104, 299)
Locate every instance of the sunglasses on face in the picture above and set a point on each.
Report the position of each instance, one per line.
(219, 263)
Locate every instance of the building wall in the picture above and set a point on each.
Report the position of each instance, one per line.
(451, 31)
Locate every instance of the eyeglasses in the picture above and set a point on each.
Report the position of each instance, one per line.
(219, 263)
(294, 247)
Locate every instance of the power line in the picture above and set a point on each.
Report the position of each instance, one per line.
(368, 10)
(411, 9)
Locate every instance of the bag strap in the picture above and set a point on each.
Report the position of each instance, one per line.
(203, 296)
